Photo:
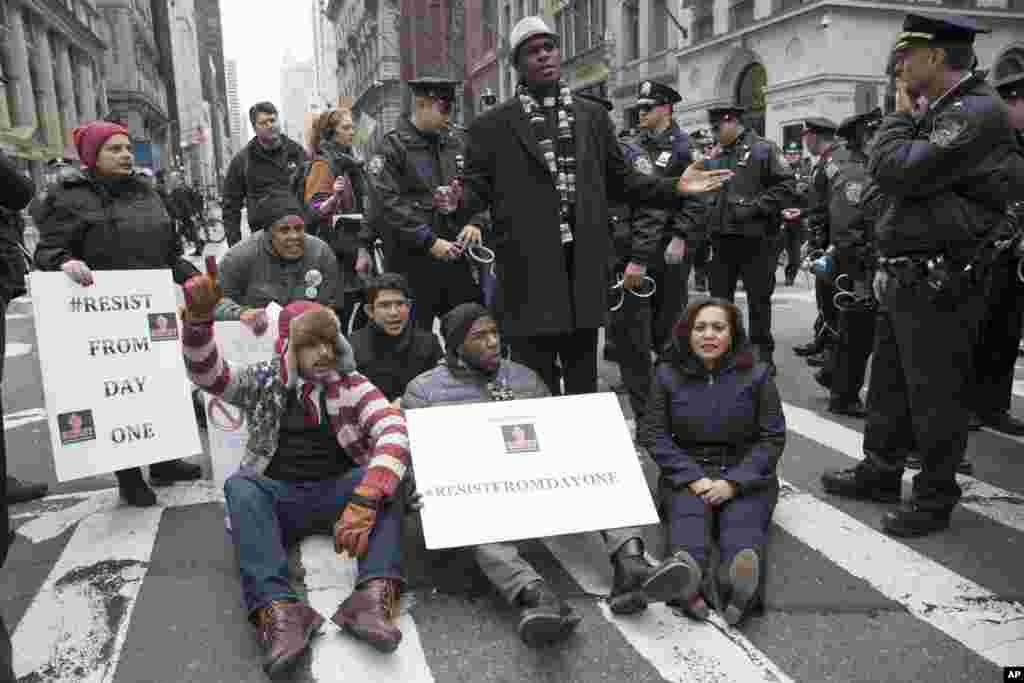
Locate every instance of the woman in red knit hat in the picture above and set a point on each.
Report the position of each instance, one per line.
(107, 218)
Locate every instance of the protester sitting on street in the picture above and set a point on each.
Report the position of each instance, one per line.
(390, 351)
(716, 430)
(473, 371)
(324, 445)
(282, 264)
(107, 218)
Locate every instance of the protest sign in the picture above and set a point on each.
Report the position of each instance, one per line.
(509, 470)
(112, 369)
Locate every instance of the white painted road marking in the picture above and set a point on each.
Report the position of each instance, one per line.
(991, 626)
(989, 501)
(680, 649)
(24, 417)
(337, 656)
(15, 349)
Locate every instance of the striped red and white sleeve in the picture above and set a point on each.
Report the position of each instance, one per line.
(371, 431)
(203, 362)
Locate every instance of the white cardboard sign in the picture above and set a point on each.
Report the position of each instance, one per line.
(510, 470)
(112, 371)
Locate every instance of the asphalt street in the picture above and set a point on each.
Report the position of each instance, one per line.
(97, 591)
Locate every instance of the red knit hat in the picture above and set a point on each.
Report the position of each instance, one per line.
(90, 137)
(298, 308)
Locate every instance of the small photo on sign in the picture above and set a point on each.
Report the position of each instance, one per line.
(162, 326)
(520, 438)
(76, 427)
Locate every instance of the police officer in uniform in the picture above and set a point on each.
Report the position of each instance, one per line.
(744, 220)
(416, 181)
(942, 160)
(792, 237)
(667, 148)
(995, 354)
(851, 231)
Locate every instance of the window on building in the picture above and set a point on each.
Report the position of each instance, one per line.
(659, 26)
(630, 30)
(741, 14)
(703, 25)
(490, 23)
(865, 98)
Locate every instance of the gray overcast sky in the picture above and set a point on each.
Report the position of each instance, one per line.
(257, 33)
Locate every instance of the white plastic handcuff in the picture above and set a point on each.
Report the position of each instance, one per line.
(621, 289)
(479, 253)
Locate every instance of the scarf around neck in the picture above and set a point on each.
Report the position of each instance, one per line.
(560, 158)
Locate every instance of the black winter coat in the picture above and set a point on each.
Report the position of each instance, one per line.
(110, 225)
(506, 172)
(254, 174)
(390, 363)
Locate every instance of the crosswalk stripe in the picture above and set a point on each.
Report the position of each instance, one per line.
(337, 655)
(681, 650)
(991, 626)
(984, 499)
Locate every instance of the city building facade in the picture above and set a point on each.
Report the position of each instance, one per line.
(296, 92)
(52, 76)
(367, 34)
(485, 38)
(234, 105)
(210, 35)
(325, 58)
(136, 92)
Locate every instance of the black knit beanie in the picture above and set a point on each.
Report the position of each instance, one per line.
(455, 326)
(267, 210)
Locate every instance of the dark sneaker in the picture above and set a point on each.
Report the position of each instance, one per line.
(910, 520)
(284, 630)
(544, 618)
(19, 491)
(744, 579)
(166, 473)
(369, 614)
(858, 482)
(1005, 423)
(133, 488)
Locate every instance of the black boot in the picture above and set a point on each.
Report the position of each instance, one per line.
(19, 491)
(134, 490)
(863, 483)
(911, 519)
(637, 583)
(166, 473)
(692, 603)
(741, 580)
(544, 618)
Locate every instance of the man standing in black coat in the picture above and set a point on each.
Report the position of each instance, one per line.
(545, 163)
(16, 191)
(944, 161)
(745, 219)
(264, 167)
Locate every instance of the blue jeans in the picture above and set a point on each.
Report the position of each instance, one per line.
(268, 515)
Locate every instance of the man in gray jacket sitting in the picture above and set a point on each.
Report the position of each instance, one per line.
(473, 371)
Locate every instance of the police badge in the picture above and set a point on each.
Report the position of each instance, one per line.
(314, 278)
(643, 164)
(854, 190)
(645, 89)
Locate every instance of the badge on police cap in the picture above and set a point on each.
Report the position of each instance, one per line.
(663, 159)
(645, 89)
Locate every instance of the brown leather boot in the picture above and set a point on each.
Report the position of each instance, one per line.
(370, 612)
(284, 630)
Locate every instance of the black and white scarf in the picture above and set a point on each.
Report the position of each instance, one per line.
(560, 158)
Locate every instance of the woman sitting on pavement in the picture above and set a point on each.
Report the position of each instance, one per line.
(715, 427)
(325, 448)
(281, 264)
(108, 218)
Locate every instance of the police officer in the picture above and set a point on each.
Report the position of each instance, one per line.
(819, 136)
(850, 227)
(995, 354)
(942, 161)
(745, 218)
(699, 251)
(792, 237)
(416, 182)
(667, 148)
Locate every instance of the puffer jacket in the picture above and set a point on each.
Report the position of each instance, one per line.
(110, 224)
(367, 427)
(726, 424)
(453, 382)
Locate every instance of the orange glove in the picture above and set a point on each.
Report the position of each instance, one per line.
(202, 293)
(352, 530)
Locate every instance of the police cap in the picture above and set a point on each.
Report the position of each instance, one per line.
(793, 148)
(851, 125)
(653, 94)
(819, 124)
(726, 113)
(921, 29)
(1011, 86)
(432, 86)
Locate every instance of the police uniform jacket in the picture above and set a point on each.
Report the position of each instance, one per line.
(750, 204)
(819, 195)
(412, 165)
(636, 230)
(506, 171)
(670, 154)
(848, 222)
(947, 175)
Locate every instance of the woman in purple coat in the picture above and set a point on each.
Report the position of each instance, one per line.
(715, 427)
